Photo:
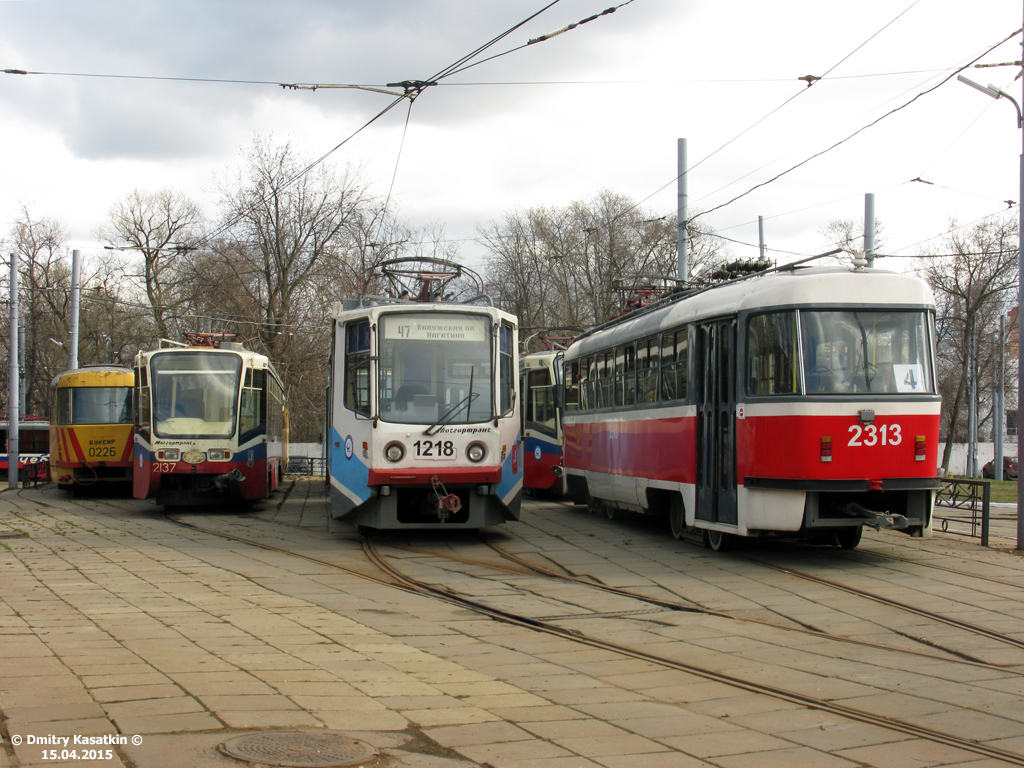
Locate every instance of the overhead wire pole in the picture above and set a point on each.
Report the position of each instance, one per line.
(13, 415)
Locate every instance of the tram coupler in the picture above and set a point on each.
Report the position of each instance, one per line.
(221, 481)
(876, 520)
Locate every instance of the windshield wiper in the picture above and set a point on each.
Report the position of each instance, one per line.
(450, 413)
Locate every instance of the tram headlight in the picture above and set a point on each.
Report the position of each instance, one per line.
(169, 454)
(218, 454)
(394, 452)
(476, 452)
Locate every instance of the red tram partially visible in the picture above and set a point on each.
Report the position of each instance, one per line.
(800, 402)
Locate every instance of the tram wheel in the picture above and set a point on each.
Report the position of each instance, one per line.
(593, 505)
(676, 517)
(849, 538)
(609, 511)
(718, 541)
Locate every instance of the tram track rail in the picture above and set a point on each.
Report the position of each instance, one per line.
(547, 627)
(897, 604)
(400, 579)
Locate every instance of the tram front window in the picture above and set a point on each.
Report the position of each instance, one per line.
(94, 405)
(435, 366)
(875, 352)
(195, 393)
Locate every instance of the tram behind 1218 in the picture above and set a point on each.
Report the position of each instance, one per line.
(423, 415)
(799, 402)
(91, 434)
(540, 375)
(210, 425)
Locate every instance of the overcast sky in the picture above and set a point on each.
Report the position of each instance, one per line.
(599, 107)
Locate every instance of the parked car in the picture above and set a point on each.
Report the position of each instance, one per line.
(1009, 469)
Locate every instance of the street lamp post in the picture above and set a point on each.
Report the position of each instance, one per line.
(996, 93)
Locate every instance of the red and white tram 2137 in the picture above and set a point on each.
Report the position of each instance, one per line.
(799, 402)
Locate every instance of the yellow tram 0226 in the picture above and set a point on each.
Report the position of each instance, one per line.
(92, 432)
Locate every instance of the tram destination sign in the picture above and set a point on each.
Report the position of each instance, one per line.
(447, 328)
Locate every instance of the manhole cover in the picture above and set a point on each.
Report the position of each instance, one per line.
(296, 749)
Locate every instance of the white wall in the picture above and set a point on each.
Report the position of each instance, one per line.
(305, 450)
(986, 452)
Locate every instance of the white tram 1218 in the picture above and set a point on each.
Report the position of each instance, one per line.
(423, 416)
(799, 402)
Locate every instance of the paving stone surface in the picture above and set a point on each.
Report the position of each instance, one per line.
(118, 624)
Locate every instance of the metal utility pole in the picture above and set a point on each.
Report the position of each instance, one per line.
(683, 236)
(760, 235)
(13, 398)
(998, 408)
(869, 228)
(76, 295)
(972, 408)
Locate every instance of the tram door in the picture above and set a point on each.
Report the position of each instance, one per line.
(716, 421)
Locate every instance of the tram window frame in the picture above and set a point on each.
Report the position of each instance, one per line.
(143, 406)
(571, 377)
(769, 367)
(539, 400)
(629, 376)
(357, 389)
(506, 370)
(605, 363)
(618, 375)
(587, 369)
(252, 409)
(674, 364)
(648, 358)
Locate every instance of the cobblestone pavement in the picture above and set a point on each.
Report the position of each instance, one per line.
(119, 625)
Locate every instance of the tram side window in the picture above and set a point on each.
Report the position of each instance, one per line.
(253, 405)
(629, 376)
(674, 350)
(771, 354)
(618, 375)
(541, 405)
(647, 358)
(507, 370)
(571, 375)
(604, 380)
(357, 367)
(142, 404)
(587, 372)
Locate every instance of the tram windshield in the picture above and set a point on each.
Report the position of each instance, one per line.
(435, 367)
(195, 393)
(94, 405)
(877, 352)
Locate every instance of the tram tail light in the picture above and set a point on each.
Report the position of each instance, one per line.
(920, 446)
(826, 449)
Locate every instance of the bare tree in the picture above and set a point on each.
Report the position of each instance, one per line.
(584, 263)
(849, 235)
(974, 281)
(162, 226)
(284, 219)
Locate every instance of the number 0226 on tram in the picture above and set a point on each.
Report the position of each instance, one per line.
(423, 417)
(800, 402)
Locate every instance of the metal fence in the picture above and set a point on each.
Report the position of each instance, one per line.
(969, 508)
(306, 466)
